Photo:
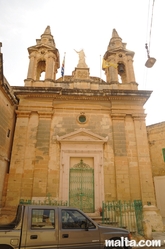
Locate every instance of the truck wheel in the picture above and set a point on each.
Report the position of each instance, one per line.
(5, 247)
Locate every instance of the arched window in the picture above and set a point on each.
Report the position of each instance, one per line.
(42, 77)
(41, 66)
(121, 73)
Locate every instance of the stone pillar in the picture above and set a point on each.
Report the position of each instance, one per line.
(49, 68)
(112, 73)
(40, 174)
(134, 178)
(146, 181)
(30, 74)
(29, 159)
(120, 157)
(152, 220)
(54, 164)
(131, 75)
(17, 160)
(109, 171)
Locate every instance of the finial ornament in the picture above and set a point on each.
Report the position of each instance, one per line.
(81, 63)
(47, 30)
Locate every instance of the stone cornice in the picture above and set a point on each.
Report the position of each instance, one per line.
(45, 114)
(24, 113)
(139, 116)
(24, 89)
(7, 90)
(81, 94)
(122, 116)
(117, 116)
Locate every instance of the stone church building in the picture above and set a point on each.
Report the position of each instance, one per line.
(59, 126)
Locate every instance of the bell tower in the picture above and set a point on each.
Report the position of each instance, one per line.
(118, 62)
(44, 61)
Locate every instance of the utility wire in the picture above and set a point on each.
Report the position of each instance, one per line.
(147, 28)
(148, 35)
(151, 24)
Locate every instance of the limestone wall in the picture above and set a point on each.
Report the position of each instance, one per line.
(36, 156)
(156, 139)
(7, 122)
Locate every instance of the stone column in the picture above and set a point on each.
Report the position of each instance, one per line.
(134, 174)
(120, 157)
(30, 74)
(54, 164)
(17, 160)
(29, 160)
(49, 68)
(146, 182)
(40, 175)
(112, 70)
(131, 75)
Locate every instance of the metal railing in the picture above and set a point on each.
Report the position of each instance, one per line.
(125, 214)
(44, 201)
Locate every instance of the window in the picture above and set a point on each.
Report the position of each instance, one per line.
(41, 68)
(42, 77)
(82, 118)
(73, 219)
(8, 133)
(43, 219)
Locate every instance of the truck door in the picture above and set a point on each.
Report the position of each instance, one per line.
(41, 230)
(77, 231)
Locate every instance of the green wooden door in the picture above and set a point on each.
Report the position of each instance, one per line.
(81, 187)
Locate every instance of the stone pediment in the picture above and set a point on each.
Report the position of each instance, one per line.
(82, 135)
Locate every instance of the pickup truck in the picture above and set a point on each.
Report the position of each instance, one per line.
(44, 226)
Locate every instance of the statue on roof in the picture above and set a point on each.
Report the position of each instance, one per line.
(81, 63)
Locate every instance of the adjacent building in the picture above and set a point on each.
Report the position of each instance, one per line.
(156, 139)
(8, 103)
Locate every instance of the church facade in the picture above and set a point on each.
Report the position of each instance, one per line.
(78, 138)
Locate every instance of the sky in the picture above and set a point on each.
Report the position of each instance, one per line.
(87, 25)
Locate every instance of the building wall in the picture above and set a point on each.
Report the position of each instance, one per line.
(7, 123)
(36, 156)
(156, 139)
